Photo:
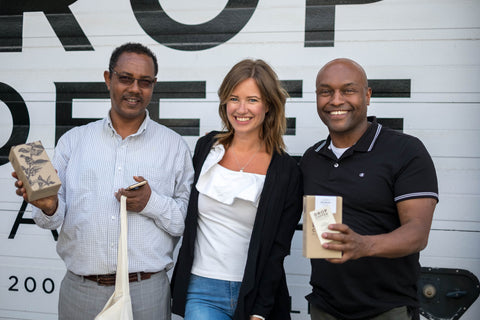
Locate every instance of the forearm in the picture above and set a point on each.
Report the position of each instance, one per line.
(406, 240)
(412, 236)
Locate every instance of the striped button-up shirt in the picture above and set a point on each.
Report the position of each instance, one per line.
(93, 162)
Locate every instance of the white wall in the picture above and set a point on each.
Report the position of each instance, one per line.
(435, 44)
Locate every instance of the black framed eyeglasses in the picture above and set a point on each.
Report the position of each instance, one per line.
(144, 83)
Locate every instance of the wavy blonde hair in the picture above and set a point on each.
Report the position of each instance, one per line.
(274, 97)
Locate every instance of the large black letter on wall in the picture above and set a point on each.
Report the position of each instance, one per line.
(58, 14)
(67, 91)
(19, 135)
(158, 25)
(21, 220)
(20, 117)
(320, 21)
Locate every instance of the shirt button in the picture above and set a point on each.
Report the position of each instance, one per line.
(112, 245)
(113, 217)
(336, 165)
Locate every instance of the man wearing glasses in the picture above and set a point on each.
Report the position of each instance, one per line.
(95, 163)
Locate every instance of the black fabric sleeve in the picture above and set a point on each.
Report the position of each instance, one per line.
(273, 272)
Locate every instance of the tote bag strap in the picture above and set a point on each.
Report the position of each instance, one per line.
(119, 306)
(122, 284)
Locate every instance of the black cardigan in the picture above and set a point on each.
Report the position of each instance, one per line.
(264, 288)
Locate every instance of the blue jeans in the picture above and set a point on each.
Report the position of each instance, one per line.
(211, 299)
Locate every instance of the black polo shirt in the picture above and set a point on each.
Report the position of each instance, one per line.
(381, 169)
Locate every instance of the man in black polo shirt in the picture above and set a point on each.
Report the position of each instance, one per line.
(389, 187)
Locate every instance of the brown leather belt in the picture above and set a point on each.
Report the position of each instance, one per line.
(109, 279)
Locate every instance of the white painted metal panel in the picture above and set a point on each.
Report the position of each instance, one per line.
(435, 44)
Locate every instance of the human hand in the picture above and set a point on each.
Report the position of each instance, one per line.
(352, 244)
(48, 204)
(136, 199)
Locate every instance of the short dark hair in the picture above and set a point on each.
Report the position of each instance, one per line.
(134, 48)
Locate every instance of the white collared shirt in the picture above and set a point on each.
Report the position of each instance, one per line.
(93, 162)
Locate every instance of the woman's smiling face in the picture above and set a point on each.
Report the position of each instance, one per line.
(246, 109)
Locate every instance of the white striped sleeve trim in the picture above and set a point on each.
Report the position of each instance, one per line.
(417, 195)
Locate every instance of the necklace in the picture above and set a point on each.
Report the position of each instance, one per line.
(249, 160)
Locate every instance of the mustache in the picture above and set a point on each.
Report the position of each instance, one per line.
(133, 96)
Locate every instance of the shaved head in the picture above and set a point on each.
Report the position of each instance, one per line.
(344, 63)
(342, 98)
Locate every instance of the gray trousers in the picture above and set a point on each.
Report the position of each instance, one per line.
(82, 299)
(400, 313)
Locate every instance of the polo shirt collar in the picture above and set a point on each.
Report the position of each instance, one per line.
(364, 144)
(368, 139)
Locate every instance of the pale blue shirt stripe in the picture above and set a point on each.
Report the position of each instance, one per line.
(93, 162)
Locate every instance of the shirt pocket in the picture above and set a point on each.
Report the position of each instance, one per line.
(160, 179)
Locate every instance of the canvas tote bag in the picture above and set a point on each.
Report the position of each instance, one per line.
(119, 306)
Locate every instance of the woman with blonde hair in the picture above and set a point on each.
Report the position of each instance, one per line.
(245, 203)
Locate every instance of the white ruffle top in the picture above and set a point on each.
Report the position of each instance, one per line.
(227, 206)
